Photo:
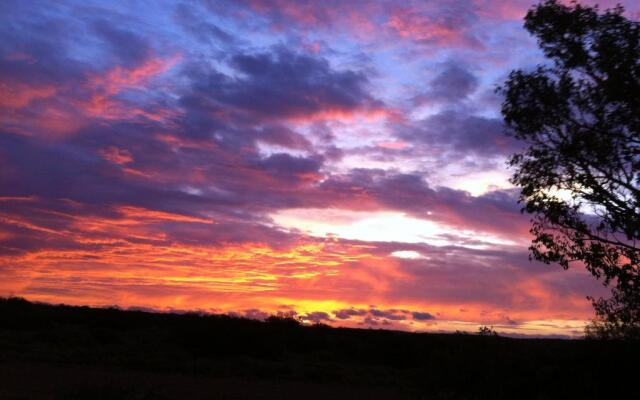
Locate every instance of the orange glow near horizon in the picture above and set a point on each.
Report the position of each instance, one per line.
(124, 261)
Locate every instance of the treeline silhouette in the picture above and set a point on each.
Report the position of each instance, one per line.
(65, 352)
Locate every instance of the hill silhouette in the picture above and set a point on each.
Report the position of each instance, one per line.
(65, 352)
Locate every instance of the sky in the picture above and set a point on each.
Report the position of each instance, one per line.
(343, 162)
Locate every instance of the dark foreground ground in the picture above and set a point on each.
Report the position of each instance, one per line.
(61, 352)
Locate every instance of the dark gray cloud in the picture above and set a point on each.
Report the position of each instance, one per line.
(349, 312)
(422, 316)
(453, 84)
(288, 168)
(284, 84)
(392, 315)
(316, 317)
(454, 132)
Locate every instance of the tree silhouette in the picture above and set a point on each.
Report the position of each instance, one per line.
(487, 331)
(579, 118)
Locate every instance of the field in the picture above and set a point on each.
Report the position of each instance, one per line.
(63, 352)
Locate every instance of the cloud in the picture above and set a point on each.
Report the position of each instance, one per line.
(59, 109)
(116, 155)
(452, 133)
(453, 84)
(393, 315)
(305, 16)
(437, 24)
(449, 23)
(291, 169)
(190, 19)
(284, 84)
(316, 317)
(349, 312)
(129, 48)
(366, 189)
(422, 316)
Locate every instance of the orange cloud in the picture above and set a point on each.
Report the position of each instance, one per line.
(116, 155)
(178, 142)
(138, 213)
(118, 79)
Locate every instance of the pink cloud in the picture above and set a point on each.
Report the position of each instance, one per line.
(448, 28)
(57, 111)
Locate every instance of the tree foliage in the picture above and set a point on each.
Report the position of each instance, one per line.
(579, 118)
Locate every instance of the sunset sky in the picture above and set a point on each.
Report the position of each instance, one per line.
(343, 161)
